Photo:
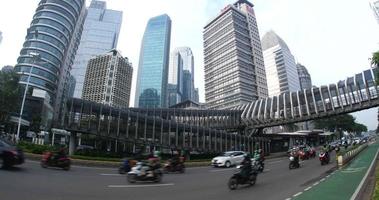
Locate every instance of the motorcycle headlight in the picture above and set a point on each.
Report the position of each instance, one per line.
(292, 158)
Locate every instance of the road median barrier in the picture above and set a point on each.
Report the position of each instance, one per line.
(347, 156)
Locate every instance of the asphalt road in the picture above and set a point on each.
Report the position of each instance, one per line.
(32, 182)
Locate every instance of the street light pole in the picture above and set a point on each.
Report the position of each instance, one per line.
(35, 56)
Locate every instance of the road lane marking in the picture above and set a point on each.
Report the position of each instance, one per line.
(111, 175)
(141, 186)
(314, 184)
(266, 170)
(221, 170)
(323, 179)
(308, 188)
(279, 161)
(288, 199)
(297, 194)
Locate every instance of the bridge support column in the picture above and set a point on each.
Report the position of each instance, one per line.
(72, 144)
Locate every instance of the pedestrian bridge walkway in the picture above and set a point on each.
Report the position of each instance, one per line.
(353, 94)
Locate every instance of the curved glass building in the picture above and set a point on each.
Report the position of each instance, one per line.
(151, 91)
(54, 34)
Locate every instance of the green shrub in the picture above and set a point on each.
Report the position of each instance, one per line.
(35, 148)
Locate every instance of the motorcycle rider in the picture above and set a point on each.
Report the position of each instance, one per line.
(295, 154)
(259, 156)
(325, 149)
(246, 167)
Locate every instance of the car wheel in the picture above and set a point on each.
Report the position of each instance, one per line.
(228, 164)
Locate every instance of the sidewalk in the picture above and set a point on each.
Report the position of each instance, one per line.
(342, 184)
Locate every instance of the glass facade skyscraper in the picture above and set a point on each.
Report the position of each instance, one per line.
(152, 80)
(100, 35)
(181, 76)
(54, 34)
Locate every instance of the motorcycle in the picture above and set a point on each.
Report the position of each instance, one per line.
(143, 172)
(50, 160)
(169, 167)
(312, 152)
(237, 179)
(324, 158)
(258, 165)
(294, 162)
(304, 155)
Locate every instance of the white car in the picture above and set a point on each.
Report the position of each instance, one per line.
(228, 159)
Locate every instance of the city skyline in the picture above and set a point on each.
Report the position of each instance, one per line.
(298, 31)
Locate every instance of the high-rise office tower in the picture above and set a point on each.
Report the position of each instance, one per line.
(100, 35)
(54, 35)
(108, 80)
(181, 76)
(234, 67)
(375, 7)
(281, 68)
(152, 80)
(304, 77)
(305, 84)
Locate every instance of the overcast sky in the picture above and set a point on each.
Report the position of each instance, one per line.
(332, 38)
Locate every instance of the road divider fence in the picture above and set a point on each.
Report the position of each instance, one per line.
(346, 157)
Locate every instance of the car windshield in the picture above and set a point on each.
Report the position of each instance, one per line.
(227, 154)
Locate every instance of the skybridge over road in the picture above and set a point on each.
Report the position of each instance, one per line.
(219, 130)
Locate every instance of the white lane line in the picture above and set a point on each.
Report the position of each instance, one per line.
(140, 186)
(266, 170)
(221, 170)
(308, 188)
(323, 179)
(288, 199)
(111, 175)
(279, 161)
(297, 194)
(314, 184)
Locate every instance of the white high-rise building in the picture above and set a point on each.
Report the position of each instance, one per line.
(108, 80)
(375, 7)
(100, 35)
(280, 64)
(234, 66)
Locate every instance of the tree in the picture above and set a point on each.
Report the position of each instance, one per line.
(9, 95)
(375, 63)
(340, 123)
